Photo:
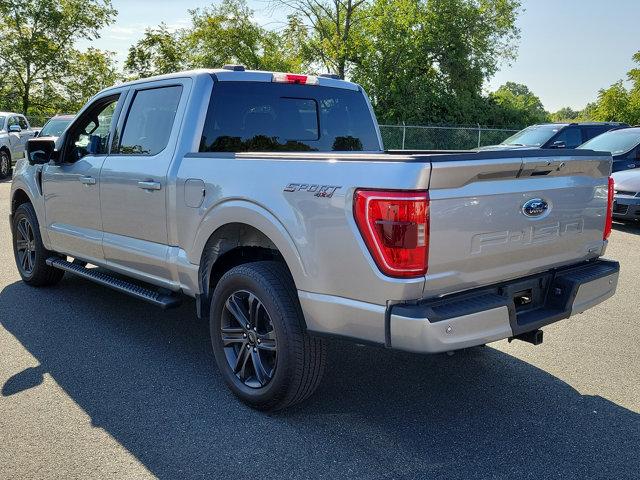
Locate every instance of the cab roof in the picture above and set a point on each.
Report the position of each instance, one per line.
(228, 75)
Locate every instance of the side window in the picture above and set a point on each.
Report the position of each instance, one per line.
(12, 121)
(591, 132)
(571, 136)
(150, 120)
(23, 123)
(90, 134)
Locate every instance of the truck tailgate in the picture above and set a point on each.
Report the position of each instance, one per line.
(493, 219)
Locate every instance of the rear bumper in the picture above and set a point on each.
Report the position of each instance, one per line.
(493, 313)
(626, 208)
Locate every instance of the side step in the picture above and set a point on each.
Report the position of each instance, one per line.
(161, 300)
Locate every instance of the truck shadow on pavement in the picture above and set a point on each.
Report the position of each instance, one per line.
(147, 377)
(628, 227)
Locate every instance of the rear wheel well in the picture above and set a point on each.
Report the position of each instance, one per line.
(238, 256)
(229, 246)
(5, 149)
(18, 199)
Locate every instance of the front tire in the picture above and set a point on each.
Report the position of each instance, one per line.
(5, 165)
(260, 347)
(29, 252)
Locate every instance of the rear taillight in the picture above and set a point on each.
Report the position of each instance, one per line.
(395, 228)
(609, 220)
(294, 78)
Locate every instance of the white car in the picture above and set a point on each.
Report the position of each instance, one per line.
(14, 133)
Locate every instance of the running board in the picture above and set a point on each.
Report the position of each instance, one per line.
(159, 299)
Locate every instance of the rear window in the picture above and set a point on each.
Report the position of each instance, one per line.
(262, 117)
(616, 142)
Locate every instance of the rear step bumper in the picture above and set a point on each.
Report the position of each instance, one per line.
(154, 297)
(500, 311)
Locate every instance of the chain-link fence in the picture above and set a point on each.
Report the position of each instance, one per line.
(427, 137)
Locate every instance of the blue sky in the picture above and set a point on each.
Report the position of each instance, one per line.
(568, 49)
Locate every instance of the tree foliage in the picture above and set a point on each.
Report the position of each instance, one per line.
(218, 35)
(159, 51)
(518, 105)
(36, 37)
(421, 61)
(428, 61)
(336, 31)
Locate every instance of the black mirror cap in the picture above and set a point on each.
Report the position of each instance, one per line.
(41, 150)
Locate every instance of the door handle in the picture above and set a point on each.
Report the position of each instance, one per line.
(88, 180)
(149, 185)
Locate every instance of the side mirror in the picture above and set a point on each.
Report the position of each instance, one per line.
(14, 129)
(41, 150)
(558, 144)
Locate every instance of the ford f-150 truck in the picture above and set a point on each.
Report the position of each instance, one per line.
(269, 199)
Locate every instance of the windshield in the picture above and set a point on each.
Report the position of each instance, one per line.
(533, 136)
(616, 141)
(1, 123)
(55, 127)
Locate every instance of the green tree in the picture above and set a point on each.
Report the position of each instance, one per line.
(35, 36)
(227, 33)
(87, 73)
(566, 114)
(519, 105)
(428, 61)
(613, 104)
(336, 32)
(159, 51)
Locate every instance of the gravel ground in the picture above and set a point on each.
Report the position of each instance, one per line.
(95, 384)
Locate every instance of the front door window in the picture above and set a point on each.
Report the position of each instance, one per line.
(90, 135)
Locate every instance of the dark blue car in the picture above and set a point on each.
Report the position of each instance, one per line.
(555, 135)
(624, 145)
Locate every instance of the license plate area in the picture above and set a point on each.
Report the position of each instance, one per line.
(527, 295)
(532, 302)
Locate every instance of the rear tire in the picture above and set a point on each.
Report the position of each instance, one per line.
(5, 165)
(260, 347)
(29, 252)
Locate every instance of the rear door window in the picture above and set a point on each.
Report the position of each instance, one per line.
(571, 136)
(23, 123)
(150, 120)
(259, 117)
(593, 131)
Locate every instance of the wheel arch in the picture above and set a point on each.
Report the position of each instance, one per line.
(19, 197)
(238, 233)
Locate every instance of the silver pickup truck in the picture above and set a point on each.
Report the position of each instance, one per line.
(15, 131)
(268, 198)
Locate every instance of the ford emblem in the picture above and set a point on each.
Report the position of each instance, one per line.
(535, 207)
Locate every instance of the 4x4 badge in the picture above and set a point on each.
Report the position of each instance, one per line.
(323, 191)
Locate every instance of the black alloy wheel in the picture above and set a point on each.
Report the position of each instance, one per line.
(249, 339)
(25, 246)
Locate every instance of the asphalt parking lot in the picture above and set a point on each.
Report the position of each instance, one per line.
(94, 384)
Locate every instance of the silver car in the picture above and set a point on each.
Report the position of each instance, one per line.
(626, 203)
(14, 133)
